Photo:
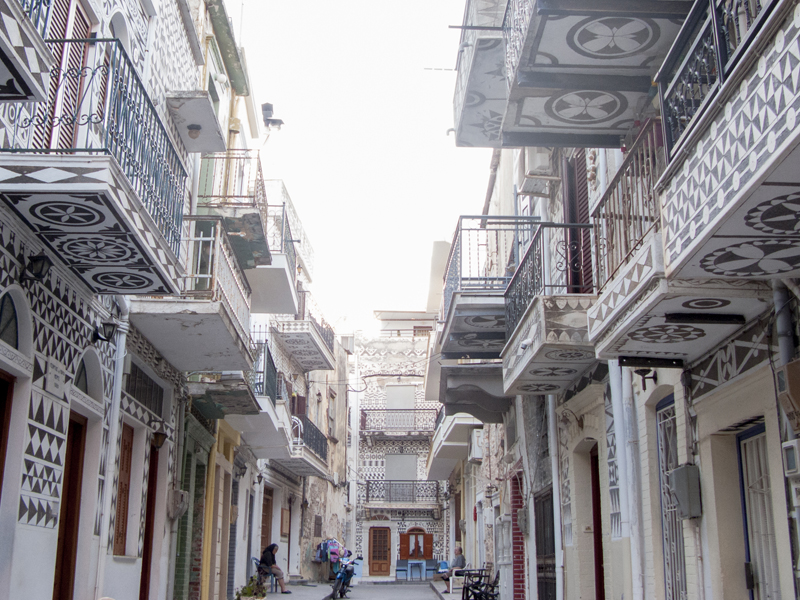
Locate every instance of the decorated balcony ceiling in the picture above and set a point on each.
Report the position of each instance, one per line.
(550, 348)
(577, 72)
(477, 328)
(86, 215)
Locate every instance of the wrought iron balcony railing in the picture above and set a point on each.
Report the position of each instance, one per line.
(629, 208)
(439, 418)
(264, 376)
(515, 29)
(309, 311)
(557, 261)
(306, 434)
(485, 254)
(279, 235)
(406, 492)
(713, 40)
(233, 178)
(38, 12)
(98, 105)
(410, 420)
(213, 272)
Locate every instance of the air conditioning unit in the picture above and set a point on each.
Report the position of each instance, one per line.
(533, 171)
(788, 383)
(475, 446)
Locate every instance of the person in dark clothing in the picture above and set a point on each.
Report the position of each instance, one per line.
(268, 566)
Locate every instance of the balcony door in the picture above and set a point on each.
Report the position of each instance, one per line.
(379, 557)
(58, 121)
(577, 247)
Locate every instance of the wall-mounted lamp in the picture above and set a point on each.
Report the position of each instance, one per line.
(194, 130)
(37, 268)
(565, 418)
(239, 471)
(645, 374)
(260, 478)
(104, 332)
(159, 436)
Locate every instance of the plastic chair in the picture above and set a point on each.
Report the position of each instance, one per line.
(457, 581)
(401, 571)
(273, 581)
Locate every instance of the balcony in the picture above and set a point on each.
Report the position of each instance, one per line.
(308, 339)
(729, 95)
(232, 186)
(308, 454)
(546, 304)
(205, 327)
(25, 60)
(576, 73)
(483, 256)
(642, 312)
(95, 176)
(474, 389)
(400, 494)
(394, 423)
(450, 444)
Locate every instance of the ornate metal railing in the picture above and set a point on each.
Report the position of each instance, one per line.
(711, 42)
(102, 107)
(557, 261)
(484, 254)
(233, 178)
(410, 420)
(305, 433)
(213, 272)
(264, 376)
(411, 492)
(309, 311)
(279, 235)
(515, 29)
(38, 12)
(629, 208)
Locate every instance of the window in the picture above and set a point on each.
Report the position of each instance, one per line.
(8, 322)
(401, 467)
(318, 526)
(415, 543)
(145, 390)
(400, 396)
(123, 490)
(81, 380)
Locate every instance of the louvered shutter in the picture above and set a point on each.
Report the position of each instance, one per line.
(583, 239)
(405, 546)
(73, 62)
(123, 490)
(300, 406)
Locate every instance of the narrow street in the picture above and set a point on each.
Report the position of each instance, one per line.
(368, 591)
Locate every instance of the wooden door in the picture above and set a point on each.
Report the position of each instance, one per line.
(69, 518)
(123, 490)
(266, 519)
(6, 393)
(149, 524)
(379, 559)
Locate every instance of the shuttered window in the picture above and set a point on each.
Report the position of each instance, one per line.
(318, 526)
(123, 490)
(145, 390)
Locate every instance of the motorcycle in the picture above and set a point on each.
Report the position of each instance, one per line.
(342, 584)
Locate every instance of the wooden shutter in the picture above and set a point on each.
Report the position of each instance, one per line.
(457, 503)
(123, 490)
(317, 525)
(428, 549)
(73, 61)
(582, 216)
(300, 406)
(405, 546)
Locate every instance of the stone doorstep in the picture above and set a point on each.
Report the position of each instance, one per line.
(439, 592)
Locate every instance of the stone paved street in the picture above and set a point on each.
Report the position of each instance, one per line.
(363, 592)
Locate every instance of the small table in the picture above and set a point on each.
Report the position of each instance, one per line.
(420, 564)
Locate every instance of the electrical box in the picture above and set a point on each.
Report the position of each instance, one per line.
(685, 481)
(522, 520)
(788, 384)
(791, 458)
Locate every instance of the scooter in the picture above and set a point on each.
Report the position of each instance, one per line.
(342, 584)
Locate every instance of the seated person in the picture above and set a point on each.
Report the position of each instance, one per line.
(268, 566)
(456, 568)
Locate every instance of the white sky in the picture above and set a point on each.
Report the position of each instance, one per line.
(364, 150)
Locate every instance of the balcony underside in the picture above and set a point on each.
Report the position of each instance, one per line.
(476, 390)
(273, 288)
(193, 335)
(450, 445)
(266, 434)
(584, 72)
(25, 60)
(630, 316)
(557, 349)
(84, 211)
(305, 345)
(245, 231)
(475, 327)
(486, 95)
(304, 463)
(230, 395)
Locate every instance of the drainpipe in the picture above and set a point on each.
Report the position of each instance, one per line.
(176, 485)
(552, 435)
(116, 398)
(634, 493)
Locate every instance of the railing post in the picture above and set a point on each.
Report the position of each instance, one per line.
(721, 54)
